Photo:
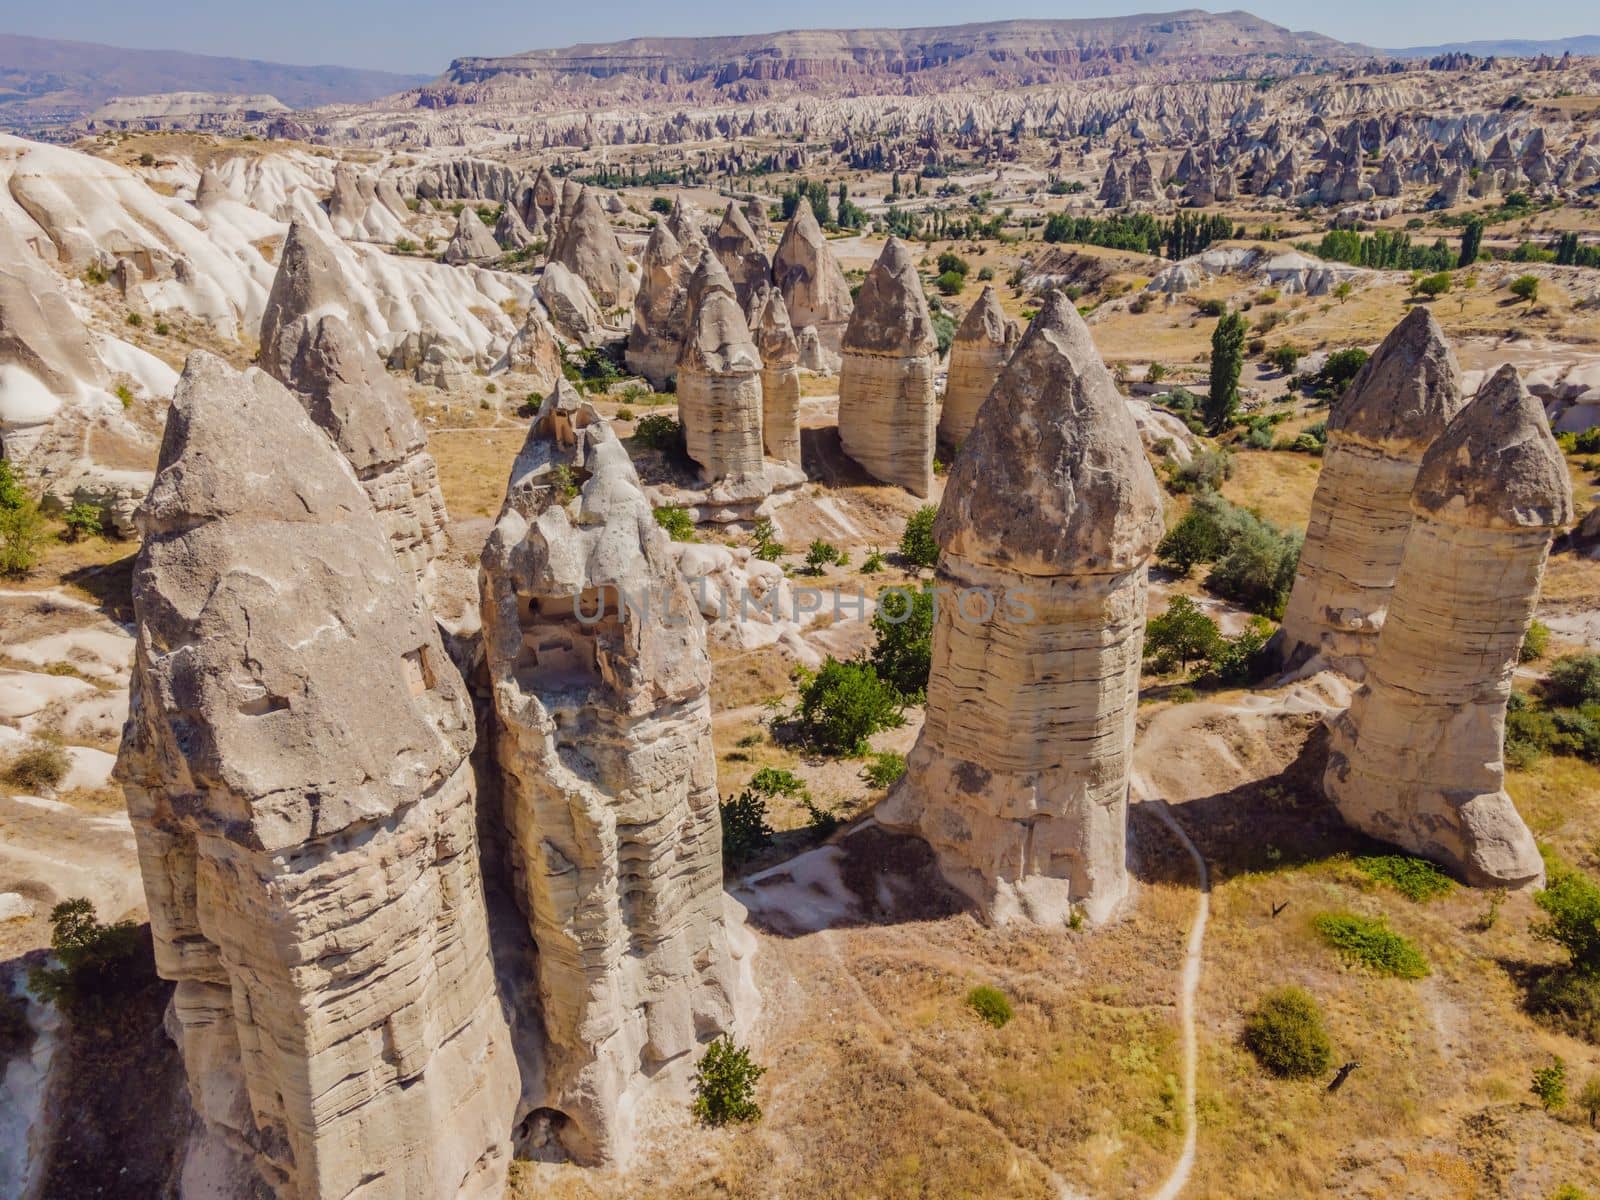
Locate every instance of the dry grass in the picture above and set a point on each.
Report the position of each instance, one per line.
(1277, 484)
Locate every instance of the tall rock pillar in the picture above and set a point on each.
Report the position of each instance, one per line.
(719, 383)
(1417, 759)
(982, 342)
(1394, 409)
(1019, 779)
(295, 763)
(780, 375)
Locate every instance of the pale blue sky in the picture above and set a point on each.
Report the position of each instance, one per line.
(423, 35)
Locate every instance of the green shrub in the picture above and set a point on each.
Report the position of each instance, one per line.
(1414, 878)
(676, 521)
(991, 1005)
(658, 431)
(823, 554)
(94, 959)
(1370, 942)
(1206, 471)
(950, 283)
(953, 263)
(767, 546)
(1285, 1034)
(1571, 905)
(1525, 288)
(1574, 680)
(135, 319)
(37, 767)
(624, 413)
(843, 704)
(903, 651)
(660, 204)
(744, 827)
(22, 532)
(1182, 634)
(917, 546)
(1243, 659)
(1433, 285)
(1257, 567)
(775, 781)
(1550, 1086)
(1589, 1099)
(873, 563)
(725, 1085)
(1534, 643)
(884, 768)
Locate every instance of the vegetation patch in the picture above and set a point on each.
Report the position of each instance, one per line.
(991, 1005)
(725, 1085)
(1285, 1034)
(1414, 878)
(1369, 942)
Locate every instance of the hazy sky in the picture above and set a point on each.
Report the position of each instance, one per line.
(423, 35)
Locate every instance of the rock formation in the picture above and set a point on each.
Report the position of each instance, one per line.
(534, 350)
(471, 242)
(588, 248)
(572, 307)
(719, 382)
(886, 398)
(814, 288)
(982, 342)
(1394, 409)
(308, 345)
(737, 247)
(604, 745)
(661, 307)
(1019, 779)
(780, 376)
(1417, 760)
(295, 764)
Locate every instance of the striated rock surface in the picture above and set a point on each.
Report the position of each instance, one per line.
(1417, 759)
(572, 307)
(588, 248)
(982, 343)
(307, 345)
(295, 763)
(780, 375)
(887, 409)
(661, 307)
(1378, 432)
(1019, 779)
(604, 745)
(814, 288)
(740, 252)
(719, 383)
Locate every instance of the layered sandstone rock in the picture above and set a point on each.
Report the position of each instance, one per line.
(587, 246)
(604, 745)
(780, 376)
(308, 344)
(887, 408)
(814, 288)
(1417, 760)
(1019, 779)
(719, 382)
(295, 763)
(661, 307)
(979, 350)
(1378, 432)
(740, 252)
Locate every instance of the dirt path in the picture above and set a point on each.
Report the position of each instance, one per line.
(1188, 987)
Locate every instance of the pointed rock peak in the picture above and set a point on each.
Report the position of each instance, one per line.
(347, 392)
(1408, 391)
(1497, 466)
(735, 228)
(239, 444)
(709, 276)
(985, 321)
(684, 221)
(803, 225)
(662, 246)
(468, 219)
(309, 279)
(563, 450)
(210, 188)
(891, 313)
(1053, 479)
(773, 330)
(719, 341)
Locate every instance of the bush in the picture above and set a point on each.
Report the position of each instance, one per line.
(991, 1005)
(660, 204)
(823, 554)
(1589, 1100)
(1337, 372)
(82, 520)
(21, 533)
(1574, 680)
(744, 827)
(725, 1085)
(677, 522)
(1206, 471)
(1414, 878)
(903, 651)
(873, 563)
(625, 413)
(884, 769)
(1534, 643)
(94, 959)
(1433, 285)
(1571, 905)
(843, 704)
(658, 431)
(1550, 1086)
(1525, 288)
(1370, 942)
(952, 263)
(1258, 566)
(38, 767)
(775, 781)
(1285, 1034)
(950, 283)
(767, 546)
(917, 546)
(1244, 659)
(1183, 633)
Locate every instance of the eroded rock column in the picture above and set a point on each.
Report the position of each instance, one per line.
(814, 288)
(981, 345)
(887, 408)
(1417, 759)
(597, 656)
(780, 376)
(661, 307)
(1019, 779)
(1396, 407)
(295, 763)
(719, 383)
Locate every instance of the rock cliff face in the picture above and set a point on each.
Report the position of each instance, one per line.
(814, 288)
(1417, 759)
(1019, 779)
(780, 376)
(604, 745)
(1393, 411)
(308, 345)
(979, 350)
(719, 383)
(295, 764)
(887, 408)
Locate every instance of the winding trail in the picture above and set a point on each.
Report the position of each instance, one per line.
(1189, 986)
